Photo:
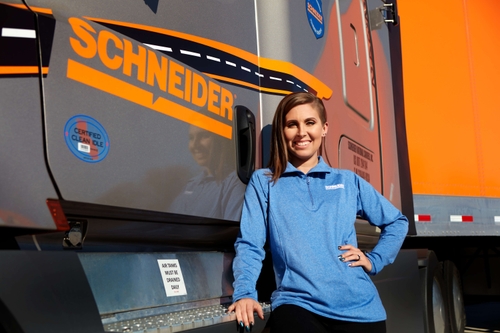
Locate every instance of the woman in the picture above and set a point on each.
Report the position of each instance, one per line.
(306, 211)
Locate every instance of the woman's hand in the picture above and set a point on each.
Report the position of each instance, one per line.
(244, 309)
(355, 257)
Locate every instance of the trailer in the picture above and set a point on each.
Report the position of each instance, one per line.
(451, 109)
(130, 128)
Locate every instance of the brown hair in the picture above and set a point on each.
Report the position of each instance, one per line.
(279, 152)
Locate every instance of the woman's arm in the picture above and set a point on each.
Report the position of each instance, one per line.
(250, 251)
(380, 212)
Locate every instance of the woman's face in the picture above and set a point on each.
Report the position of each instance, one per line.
(303, 132)
(200, 145)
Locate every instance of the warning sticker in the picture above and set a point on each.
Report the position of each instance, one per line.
(356, 158)
(86, 138)
(172, 277)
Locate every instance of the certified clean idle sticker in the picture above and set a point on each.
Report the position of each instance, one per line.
(86, 138)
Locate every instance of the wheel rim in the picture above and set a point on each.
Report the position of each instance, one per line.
(438, 307)
(458, 304)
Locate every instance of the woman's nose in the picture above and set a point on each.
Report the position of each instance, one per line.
(301, 131)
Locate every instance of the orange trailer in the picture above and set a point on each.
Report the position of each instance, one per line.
(450, 75)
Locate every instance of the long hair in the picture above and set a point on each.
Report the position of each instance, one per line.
(279, 151)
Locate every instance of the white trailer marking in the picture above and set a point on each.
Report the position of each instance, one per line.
(422, 218)
(18, 33)
(461, 218)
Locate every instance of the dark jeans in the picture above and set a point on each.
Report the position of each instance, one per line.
(291, 318)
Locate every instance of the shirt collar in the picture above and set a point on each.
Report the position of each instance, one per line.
(320, 167)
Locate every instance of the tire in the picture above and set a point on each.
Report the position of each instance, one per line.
(436, 318)
(455, 297)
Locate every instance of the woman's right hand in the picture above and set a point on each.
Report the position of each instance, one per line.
(355, 257)
(244, 310)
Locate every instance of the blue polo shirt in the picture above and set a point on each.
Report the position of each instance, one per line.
(306, 217)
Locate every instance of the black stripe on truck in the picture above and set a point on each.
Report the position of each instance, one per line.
(239, 69)
(18, 44)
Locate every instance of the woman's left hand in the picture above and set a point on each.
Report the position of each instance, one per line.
(355, 257)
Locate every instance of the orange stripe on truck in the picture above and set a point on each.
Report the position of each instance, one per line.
(127, 91)
(22, 70)
(35, 9)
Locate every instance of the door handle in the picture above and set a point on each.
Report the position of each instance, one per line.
(245, 142)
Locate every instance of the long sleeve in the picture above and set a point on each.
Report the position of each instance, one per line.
(249, 245)
(305, 217)
(394, 226)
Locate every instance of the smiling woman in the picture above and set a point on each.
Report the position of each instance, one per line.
(306, 211)
(297, 118)
(304, 130)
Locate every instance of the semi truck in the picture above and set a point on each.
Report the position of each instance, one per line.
(130, 129)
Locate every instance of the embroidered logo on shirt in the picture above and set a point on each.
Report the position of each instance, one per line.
(334, 187)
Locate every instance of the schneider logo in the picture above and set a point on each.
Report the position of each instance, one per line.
(334, 187)
(315, 17)
(210, 104)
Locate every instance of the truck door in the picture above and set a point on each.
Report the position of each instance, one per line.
(145, 111)
(24, 61)
(140, 105)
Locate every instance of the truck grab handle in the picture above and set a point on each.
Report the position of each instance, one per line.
(245, 144)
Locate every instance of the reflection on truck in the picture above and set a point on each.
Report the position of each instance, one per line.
(217, 191)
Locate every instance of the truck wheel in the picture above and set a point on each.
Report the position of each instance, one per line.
(435, 301)
(455, 297)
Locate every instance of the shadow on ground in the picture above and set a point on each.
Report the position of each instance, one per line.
(483, 314)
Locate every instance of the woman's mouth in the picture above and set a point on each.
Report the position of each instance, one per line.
(302, 143)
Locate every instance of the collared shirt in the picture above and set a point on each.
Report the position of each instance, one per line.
(306, 217)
